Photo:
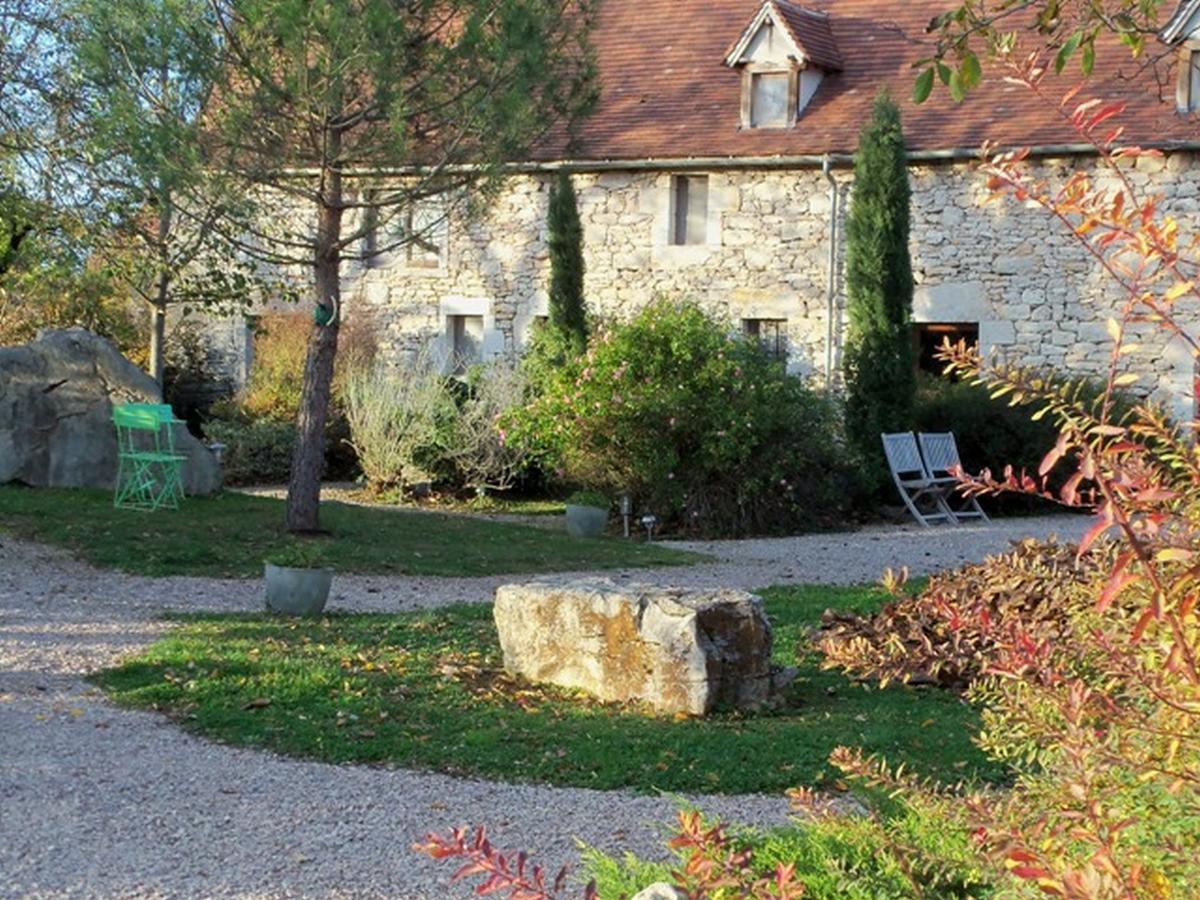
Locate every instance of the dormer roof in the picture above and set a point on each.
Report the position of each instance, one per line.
(1184, 24)
(807, 32)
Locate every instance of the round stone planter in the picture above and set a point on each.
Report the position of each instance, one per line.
(297, 592)
(586, 521)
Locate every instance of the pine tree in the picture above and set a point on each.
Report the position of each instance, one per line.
(879, 368)
(375, 86)
(568, 313)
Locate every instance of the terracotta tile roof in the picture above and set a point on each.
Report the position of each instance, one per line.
(665, 92)
(810, 31)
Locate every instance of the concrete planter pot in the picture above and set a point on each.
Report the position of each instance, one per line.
(586, 521)
(297, 592)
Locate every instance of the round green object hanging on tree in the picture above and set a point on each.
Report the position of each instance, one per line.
(322, 314)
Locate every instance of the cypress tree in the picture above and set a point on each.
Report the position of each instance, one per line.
(567, 311)
(879, 369)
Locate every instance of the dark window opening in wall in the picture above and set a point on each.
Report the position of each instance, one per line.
(466, 342)
(929, 336)
(689, 209)
(771, 335)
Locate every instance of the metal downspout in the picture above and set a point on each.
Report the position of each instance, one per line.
(831, 285)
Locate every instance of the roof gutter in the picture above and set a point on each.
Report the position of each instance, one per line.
(836, 160)
(717, 163)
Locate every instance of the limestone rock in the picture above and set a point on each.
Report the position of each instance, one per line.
(56, 398)
(678, 650)
(660, 890)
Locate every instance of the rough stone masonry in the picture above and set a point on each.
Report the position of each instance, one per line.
(679, 650)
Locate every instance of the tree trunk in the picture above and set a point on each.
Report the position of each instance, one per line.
(304, 487)
(158, 331)
(162, 293)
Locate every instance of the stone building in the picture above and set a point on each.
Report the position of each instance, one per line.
(717, 167)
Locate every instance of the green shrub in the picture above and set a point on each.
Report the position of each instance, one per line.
(702, 428)
(989, 433)
(256, 452)
(901, 853)
(993, 434)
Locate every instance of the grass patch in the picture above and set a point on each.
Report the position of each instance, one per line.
(504, 504)
(229, 535)
(426, 690)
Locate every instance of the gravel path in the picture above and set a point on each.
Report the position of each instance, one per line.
(101, 802)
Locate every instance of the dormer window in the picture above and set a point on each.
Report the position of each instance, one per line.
(783, 55)
(1183, 32)
(769, 95)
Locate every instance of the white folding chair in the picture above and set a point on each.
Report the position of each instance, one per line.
(917, 488)
(940, 452)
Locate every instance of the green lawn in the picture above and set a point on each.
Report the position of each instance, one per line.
(426, 690)
(230, 534)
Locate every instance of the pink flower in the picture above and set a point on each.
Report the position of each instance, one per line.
(670, 476)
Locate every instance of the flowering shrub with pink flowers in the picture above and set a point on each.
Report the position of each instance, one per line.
(696, 422)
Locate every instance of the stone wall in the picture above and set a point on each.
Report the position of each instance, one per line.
(1032, 290)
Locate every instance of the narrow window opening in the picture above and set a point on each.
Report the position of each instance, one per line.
(1194, 81)
(689, 209)
(466, 341)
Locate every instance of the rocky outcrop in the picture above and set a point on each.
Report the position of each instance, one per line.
(680, 651)
(56, 399)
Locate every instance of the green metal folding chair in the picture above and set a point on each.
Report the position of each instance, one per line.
(167, 423)
(148, 468)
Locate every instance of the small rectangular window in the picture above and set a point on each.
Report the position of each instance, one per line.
(427, 232)
(466, 342)
(1194, 81)
(689, 209)
(417, 234)
(929, 336)
(769, 99)
(771, 335)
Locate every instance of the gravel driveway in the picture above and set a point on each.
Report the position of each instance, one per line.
(101, 802)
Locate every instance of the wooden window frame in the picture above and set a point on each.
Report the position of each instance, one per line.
(749, 70)
(1187, 101)
(677, 224)
(407, 254)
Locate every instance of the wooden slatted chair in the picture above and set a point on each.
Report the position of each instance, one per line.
(924, 496)
(940, 452)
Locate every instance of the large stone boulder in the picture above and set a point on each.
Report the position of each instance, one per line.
(680, 651)
(56, 399)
